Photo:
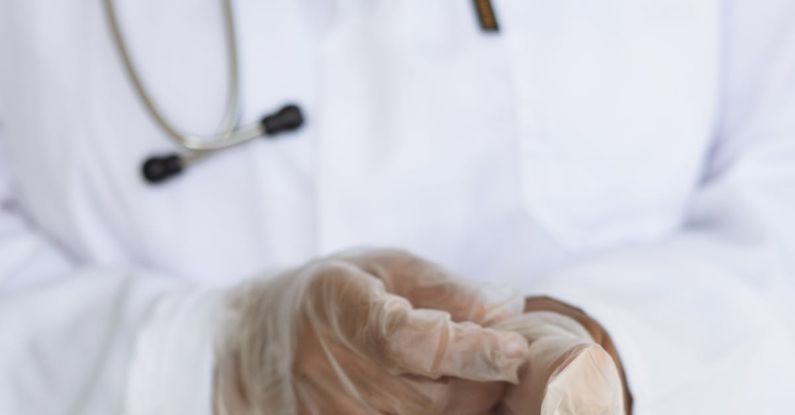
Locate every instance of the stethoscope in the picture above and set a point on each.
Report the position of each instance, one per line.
(160, 168)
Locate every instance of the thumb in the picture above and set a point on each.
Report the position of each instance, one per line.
(567, 373)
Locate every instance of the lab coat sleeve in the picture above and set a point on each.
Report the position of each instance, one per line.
(704, 320)
(82, 340)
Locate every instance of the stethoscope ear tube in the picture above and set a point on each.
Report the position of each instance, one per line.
(158, 169)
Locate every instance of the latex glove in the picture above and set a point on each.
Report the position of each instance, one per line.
(567, 372)
(355, 334)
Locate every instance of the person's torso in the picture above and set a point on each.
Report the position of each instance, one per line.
(579, 126)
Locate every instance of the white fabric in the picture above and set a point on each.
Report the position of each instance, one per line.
(67, 346)
(179, 338)
(639, 154)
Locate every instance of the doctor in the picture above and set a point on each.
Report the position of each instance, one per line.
(634, 159)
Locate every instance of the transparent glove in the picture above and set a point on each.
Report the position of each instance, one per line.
(567, 373)
(373, 332)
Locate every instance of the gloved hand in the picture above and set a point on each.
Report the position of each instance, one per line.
(378, 332)
(567, 373)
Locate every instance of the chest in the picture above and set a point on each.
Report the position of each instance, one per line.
(588, 121)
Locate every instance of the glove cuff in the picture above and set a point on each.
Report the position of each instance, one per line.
(254, 371)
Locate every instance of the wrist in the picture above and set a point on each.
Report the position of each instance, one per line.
(254, 354)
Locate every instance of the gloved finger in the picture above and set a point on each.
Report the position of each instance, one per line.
(377, 390)
(588, 384)
(426, 342)
(427, 285)
(355, 310)
(567, 373)
(565, 379)
(538, 324)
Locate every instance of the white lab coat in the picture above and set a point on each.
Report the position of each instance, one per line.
(636, 158)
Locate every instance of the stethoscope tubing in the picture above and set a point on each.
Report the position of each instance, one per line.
(229, 133)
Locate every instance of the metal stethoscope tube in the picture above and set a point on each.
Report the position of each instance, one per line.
(157, 169)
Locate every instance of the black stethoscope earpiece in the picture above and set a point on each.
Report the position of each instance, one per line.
(157, 169)
(288, 118)
(160, 168)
